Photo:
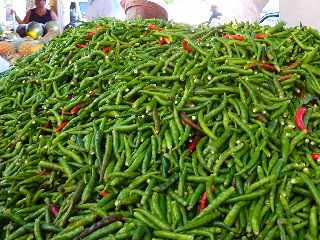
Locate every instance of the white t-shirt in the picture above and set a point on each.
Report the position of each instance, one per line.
(104, 8)
(241, 10)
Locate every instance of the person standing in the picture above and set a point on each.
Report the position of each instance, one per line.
(38, 14)
(214, 13)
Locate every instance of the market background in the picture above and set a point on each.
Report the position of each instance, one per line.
(178, 10)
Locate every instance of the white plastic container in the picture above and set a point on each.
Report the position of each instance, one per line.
(9, 16)
(294, 12)
(4, 65)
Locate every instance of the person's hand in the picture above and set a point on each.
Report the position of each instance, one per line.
(13, 12)
(123, 4)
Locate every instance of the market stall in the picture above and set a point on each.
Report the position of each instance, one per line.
(25, 40)
(18, 40)
(149, 129)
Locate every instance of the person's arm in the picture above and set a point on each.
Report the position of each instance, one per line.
(26, 18)
(13, 12)
(123, 4)
(54, 16)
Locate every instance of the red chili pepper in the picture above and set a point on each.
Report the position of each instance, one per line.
(284, 78)
(164, 40)
(54, 210)
(187, 121)
(316, 156)
(75, 109)
(203, 201)
(261, 35)
(299, 118)
(106, 50)
(235, 37)
(103, 194)
(185, 45)
(61, 126)
(81, 46)
(269, 67)
(192, 145)
(152, 27)
(239, 37)
(90, 35)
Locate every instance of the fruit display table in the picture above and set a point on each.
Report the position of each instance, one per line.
(12, 49)
(26, 39)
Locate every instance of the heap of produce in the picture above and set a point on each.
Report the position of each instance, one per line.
(52, 26)
(156, 130)
(36, 30)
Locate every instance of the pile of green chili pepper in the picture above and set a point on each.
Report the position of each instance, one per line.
(158, 130)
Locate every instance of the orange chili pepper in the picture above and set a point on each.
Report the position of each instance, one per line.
(152, 26)
(81, 46)
(235, 37)
(103, 194)
(261, 35)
